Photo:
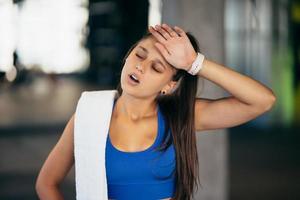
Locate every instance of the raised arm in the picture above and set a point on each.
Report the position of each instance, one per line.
(249, 99)
(57, 165)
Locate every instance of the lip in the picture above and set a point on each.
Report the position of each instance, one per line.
(130, 81)
(136, 75)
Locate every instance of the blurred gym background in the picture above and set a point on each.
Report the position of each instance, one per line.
(52, 50)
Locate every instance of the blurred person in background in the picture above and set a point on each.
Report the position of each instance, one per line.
(158, 86)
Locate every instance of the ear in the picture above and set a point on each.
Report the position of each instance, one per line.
(170, 87)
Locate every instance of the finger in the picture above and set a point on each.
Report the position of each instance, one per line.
(162, 49)
(164, 33)
(179, 31)
(157, 35)
(170, 30)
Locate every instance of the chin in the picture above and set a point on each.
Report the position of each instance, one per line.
(128, 89)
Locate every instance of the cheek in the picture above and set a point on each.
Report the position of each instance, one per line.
(155, 81)
(125, 69)
(124, 73)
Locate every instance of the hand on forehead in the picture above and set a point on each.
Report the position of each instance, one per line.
(174, 45)
(147, 48)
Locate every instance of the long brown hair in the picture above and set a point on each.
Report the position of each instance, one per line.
(178, 109)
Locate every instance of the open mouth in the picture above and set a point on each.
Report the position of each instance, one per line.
(134, 78)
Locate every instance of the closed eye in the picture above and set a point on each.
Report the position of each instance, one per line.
(155, 68)
(139, 56)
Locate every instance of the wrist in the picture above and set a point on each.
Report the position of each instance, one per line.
(197, 64)
(191, 60)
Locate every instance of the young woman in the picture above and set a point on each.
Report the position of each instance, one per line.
(157, 109)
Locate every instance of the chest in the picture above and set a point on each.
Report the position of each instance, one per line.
(132, 137)
(131, 159)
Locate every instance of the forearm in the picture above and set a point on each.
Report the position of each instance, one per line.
(49, 192)
(242, 87)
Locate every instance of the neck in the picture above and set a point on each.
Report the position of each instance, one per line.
(134, 108)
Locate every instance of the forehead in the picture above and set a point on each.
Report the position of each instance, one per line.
(148, 44)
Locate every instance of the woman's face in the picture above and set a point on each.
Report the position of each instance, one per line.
(154, 72)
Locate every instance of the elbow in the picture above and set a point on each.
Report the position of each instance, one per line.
(43, 188)
(269, 102)
(266, 104)
(40, 187)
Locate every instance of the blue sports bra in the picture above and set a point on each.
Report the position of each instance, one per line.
(145, 174)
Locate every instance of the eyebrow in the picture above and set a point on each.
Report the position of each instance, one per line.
(157, 60)
(144, 49)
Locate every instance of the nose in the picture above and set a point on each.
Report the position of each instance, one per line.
(139, 67)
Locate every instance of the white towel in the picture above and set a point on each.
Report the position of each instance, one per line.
(91, 126)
